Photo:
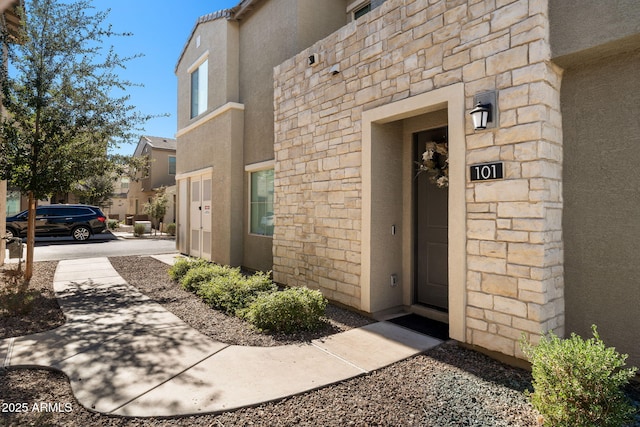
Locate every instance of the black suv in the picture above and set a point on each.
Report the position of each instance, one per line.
(77, 221)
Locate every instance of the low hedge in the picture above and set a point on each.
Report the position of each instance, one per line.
(255, 298)
(182, 266)
(199, 275)
(291, 310)
(232, 294)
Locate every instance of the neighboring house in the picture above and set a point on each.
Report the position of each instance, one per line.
(118, 204)
(537, 228)
(10, 20)
(161, 172)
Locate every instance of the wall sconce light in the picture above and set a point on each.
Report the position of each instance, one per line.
(485, 113)
(480, 115)
(313, 60)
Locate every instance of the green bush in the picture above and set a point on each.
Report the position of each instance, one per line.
(138, 230)
(235, 292)
(199, 275)
(291, 310)
(170, 229)
(113, 224)
(578, 382)
(182, 265)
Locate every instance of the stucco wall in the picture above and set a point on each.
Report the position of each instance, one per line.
(217, 144)
(220, 39)
(273, 32)
(583, 29)
(602, 197)
(402, 49)
(159, 176)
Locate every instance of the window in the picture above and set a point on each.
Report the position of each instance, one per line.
(13, 202)
(363, 10)
(172, 165)
(199, 89)
(261, 203)
(124, 183)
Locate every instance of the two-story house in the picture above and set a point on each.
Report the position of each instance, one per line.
(520, 225)
(161, 172)
(225, 123)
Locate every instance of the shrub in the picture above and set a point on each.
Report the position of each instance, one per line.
(113, 224)
(182, 265)
(199, 275)
(291, 310)
(235, 292)
(170, 229)
(578, 382)
(138, 230)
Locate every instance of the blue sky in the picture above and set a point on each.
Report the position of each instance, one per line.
(160, 30)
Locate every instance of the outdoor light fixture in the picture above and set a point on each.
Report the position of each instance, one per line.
(484, 113)
(480, 116)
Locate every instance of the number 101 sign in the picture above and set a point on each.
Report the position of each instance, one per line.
(487, 171)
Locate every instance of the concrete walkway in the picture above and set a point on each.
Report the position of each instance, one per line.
(126, 355)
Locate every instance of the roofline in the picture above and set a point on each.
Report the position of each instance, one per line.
(236, 13)
(144, 140)
(242, 8)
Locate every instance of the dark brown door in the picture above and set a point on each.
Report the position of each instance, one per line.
(431, 225)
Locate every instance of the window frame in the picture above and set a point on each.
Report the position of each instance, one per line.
(174, 165)
(251, 169)
(357, 6)
(200, 69)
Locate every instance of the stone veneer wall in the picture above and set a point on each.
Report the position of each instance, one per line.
(401, 49)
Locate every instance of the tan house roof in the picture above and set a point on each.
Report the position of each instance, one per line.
(155, 142)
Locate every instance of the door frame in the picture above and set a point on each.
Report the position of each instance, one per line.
(452, 100)
(184, 210)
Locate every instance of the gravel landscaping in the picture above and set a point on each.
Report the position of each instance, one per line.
(446, 386)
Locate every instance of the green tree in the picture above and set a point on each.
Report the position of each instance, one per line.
(96, 190)
(65, 104)
(157, 207)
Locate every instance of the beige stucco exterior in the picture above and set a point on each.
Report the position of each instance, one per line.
(235, 133)
(598, 44)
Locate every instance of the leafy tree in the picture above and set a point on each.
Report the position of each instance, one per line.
(65, 104)
(96, 190)
(157, 207)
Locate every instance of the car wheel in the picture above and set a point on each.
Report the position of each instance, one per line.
(81, 233)
(9, 234)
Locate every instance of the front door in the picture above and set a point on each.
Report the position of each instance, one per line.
(431, 223)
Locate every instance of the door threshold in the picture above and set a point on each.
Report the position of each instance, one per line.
(429, 313)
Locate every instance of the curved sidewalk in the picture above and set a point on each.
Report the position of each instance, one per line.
(125, 354)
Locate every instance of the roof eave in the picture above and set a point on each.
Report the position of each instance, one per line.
(235, 13)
